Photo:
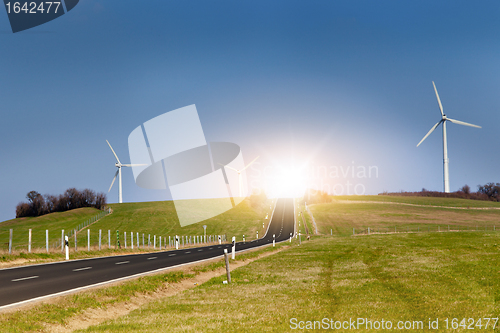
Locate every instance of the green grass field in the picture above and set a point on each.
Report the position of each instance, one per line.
(402, 277)
(431, 201)
(155, 218)
(360, 212)
(54, 222)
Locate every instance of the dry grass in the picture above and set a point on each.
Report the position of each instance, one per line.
(343, 216)
(391, 277)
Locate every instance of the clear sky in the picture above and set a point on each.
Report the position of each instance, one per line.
(333, 84)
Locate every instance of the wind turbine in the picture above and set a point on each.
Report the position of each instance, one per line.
(443, 121)
(239, 174)
(118, 173)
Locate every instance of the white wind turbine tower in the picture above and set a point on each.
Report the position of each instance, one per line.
(118, 173)
(443, 121)
(239, 174)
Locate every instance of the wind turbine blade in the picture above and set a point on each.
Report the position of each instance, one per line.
(116, 174)
(113, 152)
(428, 133)
(462, 123)
(133, 165)
(250, 163)
(439, 100)
(227, 166)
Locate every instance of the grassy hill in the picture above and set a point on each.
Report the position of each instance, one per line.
(360, 212)
(407, 277)
(155, 218)
(54, 222)
(431, 201)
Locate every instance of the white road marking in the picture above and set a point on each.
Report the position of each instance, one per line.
(200, 250)
(210, 248)
(26, 278)
(81, 269)
(188, 252)
(121, 262)
(173, 254)
(152, 258)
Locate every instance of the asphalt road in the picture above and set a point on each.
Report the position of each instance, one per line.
(27, 283)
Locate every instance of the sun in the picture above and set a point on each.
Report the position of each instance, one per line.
(286, 183)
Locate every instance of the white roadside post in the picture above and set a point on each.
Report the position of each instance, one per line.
(290, 237)
(88, 239)
(257, 237)
(100, 235)
(47, 240)
(160, 242)
(66, 243)
(169, 242)
(204, 233)
(274, 240)
(109, 239)
(29, 241)
(228, 272)
(176, 242)
(220, 240)
(76, 244)
(10, 241)
(143, 241)
(243, 239)
(62, 240)
(233, 250)
(125, 238)
(132, 240)
(154, 242)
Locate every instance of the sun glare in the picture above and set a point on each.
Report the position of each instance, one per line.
(286, 183)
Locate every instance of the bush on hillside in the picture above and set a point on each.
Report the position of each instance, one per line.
(72, 198)
(314, 196)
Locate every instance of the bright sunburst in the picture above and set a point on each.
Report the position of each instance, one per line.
(286, 182)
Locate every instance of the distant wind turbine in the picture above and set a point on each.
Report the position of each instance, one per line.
(118, 173)
(443, 121)
(239, 174)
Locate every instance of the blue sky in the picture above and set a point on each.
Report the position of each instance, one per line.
(331, 83)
